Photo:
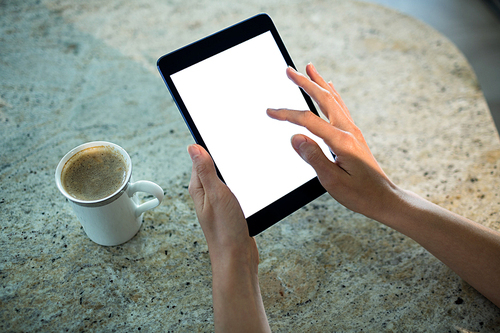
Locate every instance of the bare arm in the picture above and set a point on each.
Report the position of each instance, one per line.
(359, 183)
(470, 249)
(234, 256)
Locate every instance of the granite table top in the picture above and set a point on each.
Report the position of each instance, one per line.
(78, 71)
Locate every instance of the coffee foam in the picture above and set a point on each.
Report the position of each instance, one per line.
(94, 173)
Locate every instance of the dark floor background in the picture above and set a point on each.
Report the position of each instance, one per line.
(474, 27)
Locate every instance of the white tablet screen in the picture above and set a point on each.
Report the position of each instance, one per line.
(227, 96)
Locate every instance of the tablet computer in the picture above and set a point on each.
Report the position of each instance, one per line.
(223, 85)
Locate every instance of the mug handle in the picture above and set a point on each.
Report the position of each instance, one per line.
(148, 187)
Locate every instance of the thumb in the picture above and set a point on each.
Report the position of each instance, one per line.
(203, 175)
(311, 153)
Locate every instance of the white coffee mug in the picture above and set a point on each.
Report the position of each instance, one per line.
(115, 219)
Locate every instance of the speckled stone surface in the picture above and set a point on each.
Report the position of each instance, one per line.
(77, 71)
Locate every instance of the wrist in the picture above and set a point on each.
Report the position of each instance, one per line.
(241, 257)
(406, 211)
(389, 205)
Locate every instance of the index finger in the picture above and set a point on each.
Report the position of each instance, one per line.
(309, 120)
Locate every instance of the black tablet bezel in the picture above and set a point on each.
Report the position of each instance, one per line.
(191, 54)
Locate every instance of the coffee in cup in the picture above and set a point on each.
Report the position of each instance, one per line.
(94, 173)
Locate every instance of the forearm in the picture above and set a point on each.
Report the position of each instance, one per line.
(236, 295)
(468, 248)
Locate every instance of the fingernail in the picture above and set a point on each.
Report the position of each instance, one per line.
(292, 70)
(297, 141)
(312, 67)
(193, 151)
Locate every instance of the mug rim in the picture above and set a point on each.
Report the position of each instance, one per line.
(98, 202)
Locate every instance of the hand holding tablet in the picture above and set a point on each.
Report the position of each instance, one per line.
(223, 85)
